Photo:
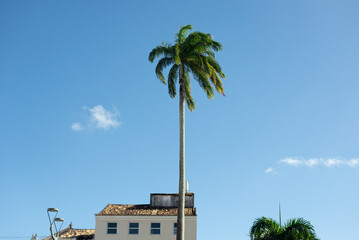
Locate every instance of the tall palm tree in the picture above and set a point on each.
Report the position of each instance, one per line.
(190, 54)
(294, 229)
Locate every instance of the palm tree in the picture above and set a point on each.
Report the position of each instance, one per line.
(192, 53)
(295, 229)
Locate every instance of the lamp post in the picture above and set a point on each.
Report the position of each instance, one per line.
(55, 232)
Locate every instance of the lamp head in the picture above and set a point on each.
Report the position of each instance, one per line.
(52, 210)
(58, 219)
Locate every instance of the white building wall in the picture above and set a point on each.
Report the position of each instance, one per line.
(144, 227)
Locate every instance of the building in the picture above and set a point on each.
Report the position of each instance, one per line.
(154, 221)
(70, 233)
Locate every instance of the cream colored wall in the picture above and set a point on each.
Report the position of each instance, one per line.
(144, 227)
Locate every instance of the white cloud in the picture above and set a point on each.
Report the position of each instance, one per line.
(76, 126)
(269, 170)
(312, 162)
(103, 118)
(292, 161)
(330, 162)
(99, 118)
(353, 162)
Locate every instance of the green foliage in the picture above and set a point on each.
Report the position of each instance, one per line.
(182, 33)
(294, 229)
(191, 54)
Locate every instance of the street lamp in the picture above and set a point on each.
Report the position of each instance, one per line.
(55, 232)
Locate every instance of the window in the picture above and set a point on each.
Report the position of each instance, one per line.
(111, 228)
(133, 228)
(155, 228)
(174, 228)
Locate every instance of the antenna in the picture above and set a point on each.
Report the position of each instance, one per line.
(34, 237)
(280, 216)
(187, 186)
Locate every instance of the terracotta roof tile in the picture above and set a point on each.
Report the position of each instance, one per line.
(78, 232)
(142, 210)
(69, 232)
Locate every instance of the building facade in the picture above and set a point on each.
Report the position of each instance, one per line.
(154, 221)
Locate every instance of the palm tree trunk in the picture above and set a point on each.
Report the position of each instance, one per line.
(181, 200)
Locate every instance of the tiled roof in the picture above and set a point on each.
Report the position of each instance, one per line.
(69, 232)
(78, 232)
(142, 210)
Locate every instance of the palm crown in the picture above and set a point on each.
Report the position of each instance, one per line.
(193, 53)
(295, 229)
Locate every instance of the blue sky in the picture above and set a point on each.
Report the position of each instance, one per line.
(84, 121)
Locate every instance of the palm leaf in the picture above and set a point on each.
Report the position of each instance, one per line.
(264, 229)
(299, 228)
(163, 50)
(182, 33)
(188, 95)
(198, 41)
(172, 79)
(202, 79)
(216, 80)
(163, 63)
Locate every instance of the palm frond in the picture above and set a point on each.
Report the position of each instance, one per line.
(264, 229)
(188, 95)
(216, 80)
(163, 63)
(202, 79)
(164, 50)
(176, 53)
(198, 41)
(198, 59)
(299, 228)
(172, 79)
(209, 53)
(182, 33)
(211, 68)
(216, 66)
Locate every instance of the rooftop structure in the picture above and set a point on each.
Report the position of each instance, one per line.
(70, 233)
(161, 204)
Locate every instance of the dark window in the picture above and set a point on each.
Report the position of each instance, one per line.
(155, 228)
(174, 228)
(133, 229)
(111, 228)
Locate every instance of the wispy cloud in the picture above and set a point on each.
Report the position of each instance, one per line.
(99, 118)
(291, 161)
(328, 162)
(270, 170)
(315, 162)
(353, 162)
(104, 119)
(76, 126)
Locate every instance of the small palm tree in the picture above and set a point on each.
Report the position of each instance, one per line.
(191, 53)
(295, 229)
